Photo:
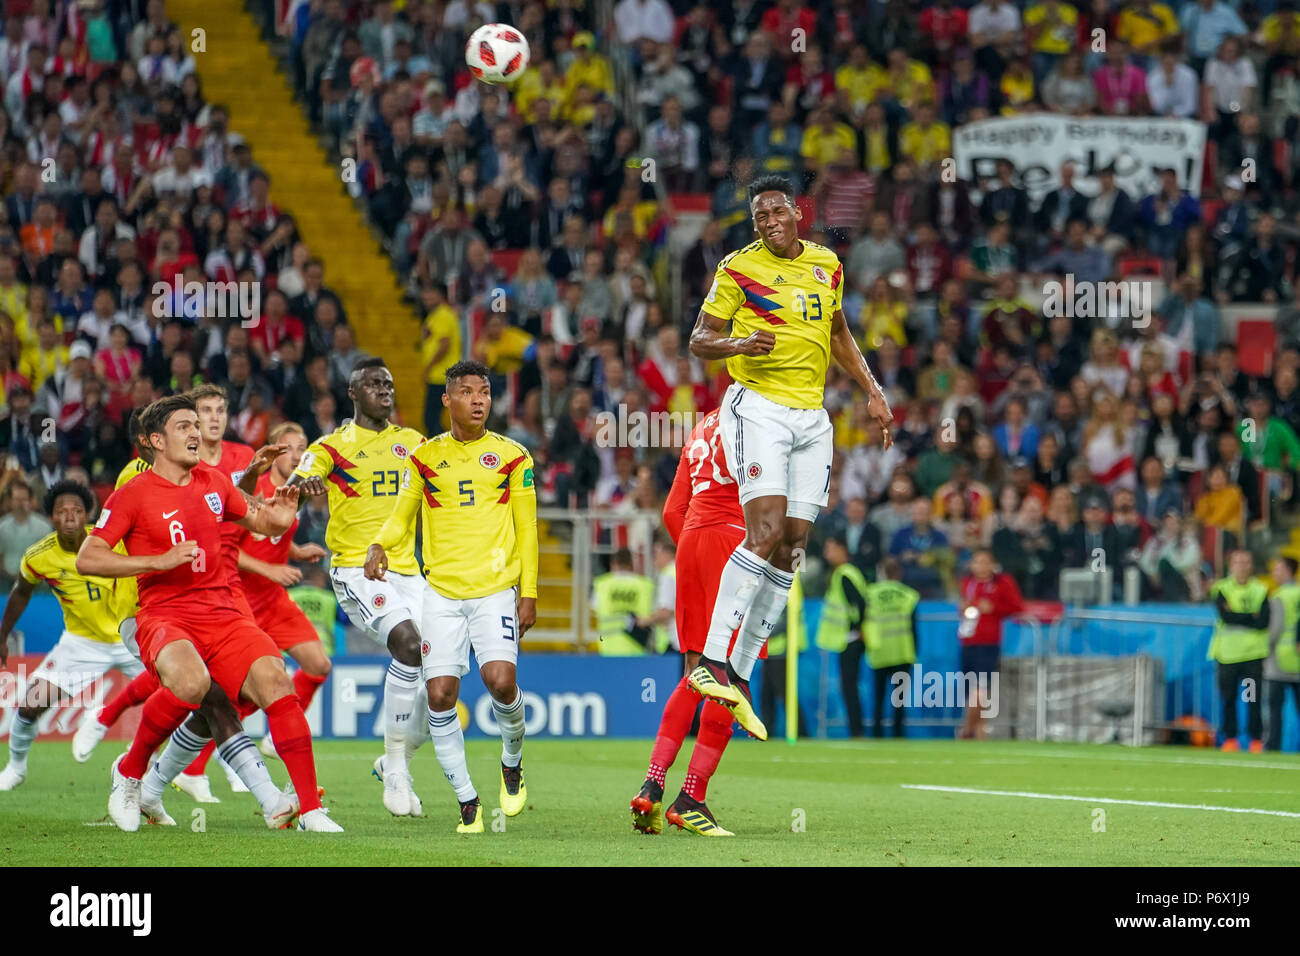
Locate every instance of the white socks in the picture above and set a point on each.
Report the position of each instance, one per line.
(449, 745)
(738, 587)
(417, 735)
(21, 735)
(510, 719)
(179, 753)
(401, 688)
(240, 754)
(764, 612)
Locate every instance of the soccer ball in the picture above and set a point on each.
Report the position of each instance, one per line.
(496, 53)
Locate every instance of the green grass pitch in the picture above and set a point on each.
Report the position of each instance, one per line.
(817, 803)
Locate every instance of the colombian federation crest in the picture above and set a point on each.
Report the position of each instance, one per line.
(214, 502)
(820, 274)
(378, 601)
(400, 451)
(489, 460)
(754, 470)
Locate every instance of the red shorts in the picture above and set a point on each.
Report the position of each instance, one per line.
(702, 553)
(284, 621)
(229, 643)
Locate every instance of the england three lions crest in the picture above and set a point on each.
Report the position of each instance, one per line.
(214, 502)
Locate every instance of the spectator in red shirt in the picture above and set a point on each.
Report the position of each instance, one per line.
(844, 193)
(943, 27)
(275, 325)
(988, 597)
(929, 263)
(782, 20)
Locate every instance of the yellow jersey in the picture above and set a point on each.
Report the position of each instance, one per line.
(441, 323)
(795, 299)
(1144, 29)
(128, 591)
(88, 602)
(477, 507)
(362, 470)
(1057, 29)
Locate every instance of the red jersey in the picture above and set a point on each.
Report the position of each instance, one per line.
(151, 515)
(263, 592)
(703, 491)
(983, 627)
(234, 461)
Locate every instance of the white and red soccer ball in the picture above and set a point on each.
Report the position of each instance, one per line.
(497, 53)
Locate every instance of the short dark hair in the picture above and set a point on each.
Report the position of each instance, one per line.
(466, 368)
(1292, 564)
(154, 418)
(206, 390)
(622, 558)
(362, 366)
(68, 487)
(769, 184)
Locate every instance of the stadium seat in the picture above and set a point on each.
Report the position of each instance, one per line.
(1256, 345)
(1140, 265)
(689, 202)
(507, 260)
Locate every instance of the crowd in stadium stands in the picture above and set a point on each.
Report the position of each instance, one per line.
(533, 225)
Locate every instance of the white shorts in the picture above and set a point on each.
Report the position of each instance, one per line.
(75, 663)
(773, 449)
(449, 628)
(378, 606)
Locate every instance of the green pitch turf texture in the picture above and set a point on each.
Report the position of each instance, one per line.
(848, 799)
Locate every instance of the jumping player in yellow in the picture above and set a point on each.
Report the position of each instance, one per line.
(474, 492)
(782, 298)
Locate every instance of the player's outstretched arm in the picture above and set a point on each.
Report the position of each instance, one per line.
(523, 510)
(275, 516)
(98, 558)
(260, 465)
(14, 607)
(845, 351)
(709, 340)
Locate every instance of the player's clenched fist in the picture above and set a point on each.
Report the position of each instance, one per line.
(758, 343)
(376, 563)
(183, 553)
(313, 486)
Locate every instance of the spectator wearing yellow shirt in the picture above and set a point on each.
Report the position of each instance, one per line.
(1017, 88)
(1053, 28)
(1221, 505)
(883, 316)
(588, 68)
(629, 213)
(541, 83)
(439, 350)
(1279, 35)
(855, 81)
(503, 348)
(13, 299)
(879, 141)
(1145, 26)
(904, 82)
(45, 358)
(926, 141)
(825, 138)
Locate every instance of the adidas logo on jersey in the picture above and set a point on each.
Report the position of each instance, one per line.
(779, 280)
(443, 464)
(362, 454)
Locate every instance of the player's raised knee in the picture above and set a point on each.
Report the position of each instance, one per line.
(404, 644)
(190, 686)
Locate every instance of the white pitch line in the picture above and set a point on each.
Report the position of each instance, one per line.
(1131, 803)
(1046, 754)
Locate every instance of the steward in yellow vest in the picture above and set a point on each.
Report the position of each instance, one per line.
(623, 601)
(1282, 668)
(1240, 645)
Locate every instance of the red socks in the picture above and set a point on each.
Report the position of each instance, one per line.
(137, 691)
(715, 733)
(200, 763)
(292, 739)
(675, 724)
(163, 712)
(304, 685)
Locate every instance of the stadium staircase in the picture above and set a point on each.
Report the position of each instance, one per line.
(240, 71)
